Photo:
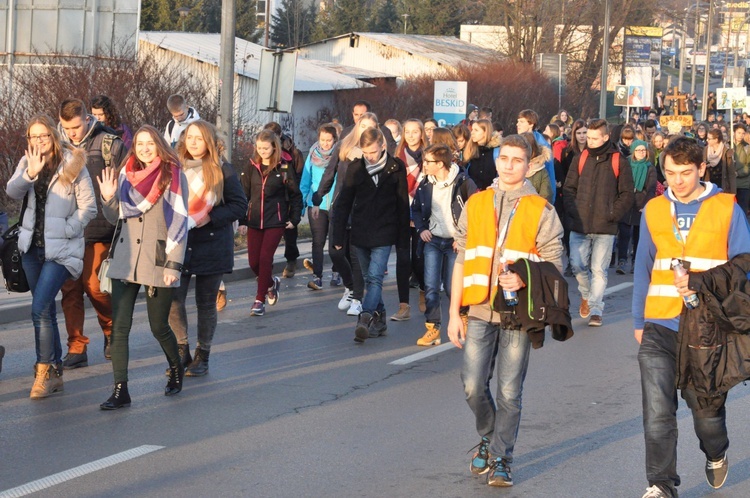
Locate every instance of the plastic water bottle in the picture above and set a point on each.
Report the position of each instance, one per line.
(511, 297)
(691, 301)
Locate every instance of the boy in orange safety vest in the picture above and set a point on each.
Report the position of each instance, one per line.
(697, 224)
(524, 225)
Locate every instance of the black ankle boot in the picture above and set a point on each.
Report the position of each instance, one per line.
(184, 351)
(176, 374)
(120, 397)
(199, 366)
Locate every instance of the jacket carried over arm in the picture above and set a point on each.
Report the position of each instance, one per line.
(67, 212)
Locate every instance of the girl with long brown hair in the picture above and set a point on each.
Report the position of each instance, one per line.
(148, 201)
(275, 203)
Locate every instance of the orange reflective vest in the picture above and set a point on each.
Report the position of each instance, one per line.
(706, 247)
(481, 240)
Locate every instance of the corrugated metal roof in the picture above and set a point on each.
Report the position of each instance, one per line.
(310, 77)
(353, 72)
(446, 50)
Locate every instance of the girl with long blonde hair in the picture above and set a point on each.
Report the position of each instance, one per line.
(215, 202)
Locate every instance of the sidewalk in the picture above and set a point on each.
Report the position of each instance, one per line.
(16, 307)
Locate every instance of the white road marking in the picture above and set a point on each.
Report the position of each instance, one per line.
(423, 354)
(448, 346)
(87, 468)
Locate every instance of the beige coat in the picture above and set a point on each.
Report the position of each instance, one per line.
(139, 252)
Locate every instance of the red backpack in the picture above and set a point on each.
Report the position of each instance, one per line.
(615, 162)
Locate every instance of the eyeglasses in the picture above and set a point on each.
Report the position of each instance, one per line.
(39, 138)
(430, 162)
(640, 150)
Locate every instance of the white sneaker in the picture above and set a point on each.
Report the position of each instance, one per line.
(355, 308)
(346, 300)
(655, 492)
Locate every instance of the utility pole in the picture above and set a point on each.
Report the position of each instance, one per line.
(706, 75)
(695, 48)
(605, 64)
(226, 76)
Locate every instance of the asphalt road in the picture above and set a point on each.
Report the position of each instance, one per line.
(293, 407)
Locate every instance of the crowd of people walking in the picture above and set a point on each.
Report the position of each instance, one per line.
(107, 212)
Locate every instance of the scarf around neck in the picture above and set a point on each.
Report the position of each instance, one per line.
(376, 167)
(640, 168)
(320, 157)
(139, 191)
(714, 156)
(200, 200)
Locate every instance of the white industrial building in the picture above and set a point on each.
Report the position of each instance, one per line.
(402, 56)
(198, 54)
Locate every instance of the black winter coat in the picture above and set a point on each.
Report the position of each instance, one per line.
(272, 200)
(597, 200)
(482, 169)
(379, 213)
(633, 217)
(210, 248)
(712, 356)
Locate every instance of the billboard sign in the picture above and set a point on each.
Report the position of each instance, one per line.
(449, 102)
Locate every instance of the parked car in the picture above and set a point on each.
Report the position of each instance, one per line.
(717, 71)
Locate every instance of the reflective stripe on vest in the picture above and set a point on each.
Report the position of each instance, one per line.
(706, 247)
(481, 238)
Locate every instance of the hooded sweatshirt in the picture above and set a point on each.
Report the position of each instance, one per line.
(739, 243)
(548, 239)
(441, 219)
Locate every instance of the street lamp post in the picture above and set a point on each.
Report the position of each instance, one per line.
(605, 64)
(183, 11)
(405, 16)
(707, 74)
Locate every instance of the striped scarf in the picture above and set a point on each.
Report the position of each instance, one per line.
(139, 191)
(200, 201)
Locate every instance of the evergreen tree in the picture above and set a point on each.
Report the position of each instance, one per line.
(386, 19)
(246, 26)
(348, 16)
(292, 24)
(435, 17)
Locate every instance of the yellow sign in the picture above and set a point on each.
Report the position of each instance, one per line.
(651, 31)
(684, 120)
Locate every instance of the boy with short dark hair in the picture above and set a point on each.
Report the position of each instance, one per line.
(695, 223)
(508, 220)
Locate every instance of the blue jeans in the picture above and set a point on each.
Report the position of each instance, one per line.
(374, 261)
(589, 257)
(45, 279)
(499, 423)
(658, 364)
(438, 258)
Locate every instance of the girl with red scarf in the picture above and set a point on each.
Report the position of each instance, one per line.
(148, 201)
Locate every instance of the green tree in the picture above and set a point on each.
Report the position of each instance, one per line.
(293, 23)
(348, 16)
(434, 17)
(386, 18)
(159, 15)
(246, 26)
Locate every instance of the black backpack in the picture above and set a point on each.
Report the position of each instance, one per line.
(10, 255)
